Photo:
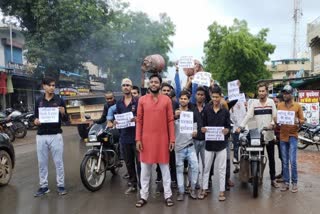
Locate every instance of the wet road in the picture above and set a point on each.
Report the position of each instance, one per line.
(17, 197)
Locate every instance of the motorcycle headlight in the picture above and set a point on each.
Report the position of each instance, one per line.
(92, 138)
(255, 142)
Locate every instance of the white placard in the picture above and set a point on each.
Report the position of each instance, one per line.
(233, 90)
(49, 114)
(202, 78)
(186, 62)
(214, 133)
(242, 98)
(285, 117)
(186, 122)
(124, 120)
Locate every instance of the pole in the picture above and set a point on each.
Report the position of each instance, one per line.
(11, 46)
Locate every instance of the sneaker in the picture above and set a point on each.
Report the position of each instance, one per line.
(62, 191)
(41, 191)
(284, 187)
(130, 190)
(180, 197)
(193, 194)
(294, 188)
(274, 184)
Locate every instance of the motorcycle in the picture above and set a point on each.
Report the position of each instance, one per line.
(19, 126)
(309, 135)
(5, 127)
(102, 156)
(252, 158)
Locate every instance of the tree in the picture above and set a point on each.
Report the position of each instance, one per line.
(234, 53)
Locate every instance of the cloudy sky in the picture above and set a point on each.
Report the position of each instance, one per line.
(193, 17)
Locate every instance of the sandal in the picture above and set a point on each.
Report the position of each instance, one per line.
(169, 202)
(222, 197)
(202, 194)
(140, 203)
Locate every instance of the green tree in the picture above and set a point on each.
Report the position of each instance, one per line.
(234, 53)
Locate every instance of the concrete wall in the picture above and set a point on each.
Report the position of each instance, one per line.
(313, 34)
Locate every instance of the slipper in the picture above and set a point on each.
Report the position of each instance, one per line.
(140, 203)
(222, 197)
(169, 202)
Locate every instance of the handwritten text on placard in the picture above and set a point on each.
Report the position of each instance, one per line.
(285, 117)
(214, 133)
(49, 114)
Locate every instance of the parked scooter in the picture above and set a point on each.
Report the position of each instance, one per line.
(309, 135)
(102, 156)
(252, 158)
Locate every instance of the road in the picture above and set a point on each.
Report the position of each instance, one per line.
(17, 197)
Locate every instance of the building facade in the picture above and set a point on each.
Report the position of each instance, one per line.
(313, 35)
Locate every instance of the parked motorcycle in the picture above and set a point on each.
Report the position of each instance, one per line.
(252, 158)
(102, 156)
(309, 135)
(5, 127)
(19, 126)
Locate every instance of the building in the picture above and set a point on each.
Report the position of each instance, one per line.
(313, 36)
(290, 68)
(17, 80)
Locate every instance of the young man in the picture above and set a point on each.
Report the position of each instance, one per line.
(127, 135)
(49, 137)
(185, 150)
(135, 91)
(155, 138)
(289, 139)
(264, 113)
(110, 100)
(215, 115)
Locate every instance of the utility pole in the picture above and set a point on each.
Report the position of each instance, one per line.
(297, 14)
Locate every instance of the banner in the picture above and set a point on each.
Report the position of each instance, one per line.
(186, 122)
(124, 120)
(311, 112)
(309, 96)
(49, 114)
(202, 78)
(214, 133)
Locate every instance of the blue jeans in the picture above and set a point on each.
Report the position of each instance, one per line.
(188, 153)
(235, 141)
(289, 153)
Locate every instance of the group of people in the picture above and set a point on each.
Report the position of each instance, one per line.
(156, 137)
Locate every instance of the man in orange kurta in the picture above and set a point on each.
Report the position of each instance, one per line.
(155, 138)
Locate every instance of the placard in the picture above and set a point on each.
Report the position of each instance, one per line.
(202, 78)
(186, 122)
(124, 120)
(233, 90)
(311, 112)
(186, 62)
(285, 117)
(214, 133)
(49, 114)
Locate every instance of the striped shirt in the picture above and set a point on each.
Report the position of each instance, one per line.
(263, 115)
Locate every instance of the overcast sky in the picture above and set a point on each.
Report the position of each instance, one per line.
(193, 17)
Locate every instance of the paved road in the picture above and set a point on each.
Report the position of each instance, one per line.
(18, 196)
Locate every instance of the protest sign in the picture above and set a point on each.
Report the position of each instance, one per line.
(285, 117)
(124, 120)
(186, 122)
(49, 114)
(186, 62)
(233, 90)
(214, 133)
(202, 78)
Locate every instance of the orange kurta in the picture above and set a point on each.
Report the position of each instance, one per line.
(155, 128)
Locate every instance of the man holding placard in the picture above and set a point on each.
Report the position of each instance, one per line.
(185, 129)
(50, 110)
(126, 109)
(290, 117)
(216, 124)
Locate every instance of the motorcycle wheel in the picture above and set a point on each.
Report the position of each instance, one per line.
(255, 180)
(20, 130)
(301, 144)
(83, 130)
(10, 133)
(91, 179)
(5, 168)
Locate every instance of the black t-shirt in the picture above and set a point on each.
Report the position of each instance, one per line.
(220, 118)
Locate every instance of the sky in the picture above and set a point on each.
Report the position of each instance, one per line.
(193, 17)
